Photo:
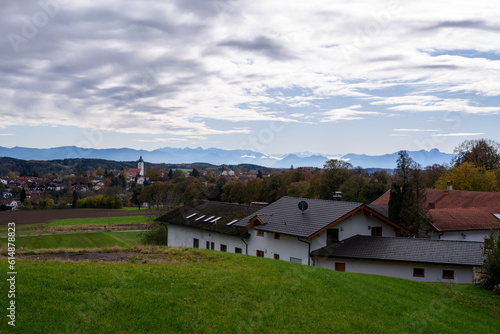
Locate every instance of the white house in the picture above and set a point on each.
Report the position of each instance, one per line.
(204, 224)
(329, 234)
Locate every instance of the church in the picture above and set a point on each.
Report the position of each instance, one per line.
(137, 174)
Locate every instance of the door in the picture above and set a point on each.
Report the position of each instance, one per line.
(339, 266)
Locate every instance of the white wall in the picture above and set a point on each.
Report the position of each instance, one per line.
(477, 235)
(433, 272)
(182, 236)
(357, 224)
(287, 247)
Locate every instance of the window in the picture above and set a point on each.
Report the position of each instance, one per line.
(260, 233)
(377, 231)
(196, 243)
(418, 272)
(208, 244)
(277, 236)
(339, 266)
(238, 250)
(276, 256)
(448, 274)
(260, 253)
(223, 248)
(212, 246)
(332, 236)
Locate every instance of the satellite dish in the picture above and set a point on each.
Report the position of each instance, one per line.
(303, 206)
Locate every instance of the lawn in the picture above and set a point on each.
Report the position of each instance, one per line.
(101, 220)
(201, 291)
(75, 240)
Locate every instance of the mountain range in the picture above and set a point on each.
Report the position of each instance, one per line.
(218, 156)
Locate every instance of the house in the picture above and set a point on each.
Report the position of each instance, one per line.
(456, 214)
(204, 224)
(282, 231)
(6, 195)
(32, 193)
(9, 204)
(343, 236)
(422, 260)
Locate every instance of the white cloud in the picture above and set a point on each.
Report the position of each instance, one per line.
(458, 134)
(346, 114)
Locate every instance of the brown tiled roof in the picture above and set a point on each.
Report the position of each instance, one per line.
(462, 219)
(454, 198)
(457, 210)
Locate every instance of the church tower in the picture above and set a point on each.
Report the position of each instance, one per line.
(140, 165)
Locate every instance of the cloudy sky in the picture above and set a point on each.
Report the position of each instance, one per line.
(329, 77)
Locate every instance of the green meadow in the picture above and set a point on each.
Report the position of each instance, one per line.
(101, 220)
(202, 291)
(75, 240)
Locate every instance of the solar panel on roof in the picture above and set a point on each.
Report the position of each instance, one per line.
(200, 217)
(216, 219)
(209, 218)
(497, 215)
(192, 215)
(231, 222)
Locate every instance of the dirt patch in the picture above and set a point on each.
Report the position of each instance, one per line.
(121, 256)
(93, 228)
(22, 217)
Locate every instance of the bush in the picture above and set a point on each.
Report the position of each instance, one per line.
(156, 236)
(490, 277)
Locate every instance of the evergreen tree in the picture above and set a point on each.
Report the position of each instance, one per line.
(170, 174)
(395, 199)
(23, 195)
(195, 173)
(259, 174)
(76, 196)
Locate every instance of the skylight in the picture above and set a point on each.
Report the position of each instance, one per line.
(216, 219)
(209, 218)
(200, 217)
(497, 215)
(192, 215)
(232, 222)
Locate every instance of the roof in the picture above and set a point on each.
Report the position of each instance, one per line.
(197, 213)
(465, 219)
(284, 216)
(455, 210)
(405, 250)
(140, 159)
(134, 171)
(454, 198)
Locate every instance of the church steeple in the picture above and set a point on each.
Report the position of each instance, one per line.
(140, 165)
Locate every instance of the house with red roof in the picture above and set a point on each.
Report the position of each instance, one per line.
(457, 214)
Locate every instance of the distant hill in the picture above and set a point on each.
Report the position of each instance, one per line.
(217, 156)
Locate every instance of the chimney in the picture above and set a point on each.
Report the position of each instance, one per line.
(337, 196)
(449, 185)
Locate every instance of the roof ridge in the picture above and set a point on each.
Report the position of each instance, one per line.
(411, 238)
(319, 199)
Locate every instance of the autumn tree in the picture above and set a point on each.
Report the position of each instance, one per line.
(481, 152)
(154, 174)
(490, 275)
(469, 176)
(335, 172)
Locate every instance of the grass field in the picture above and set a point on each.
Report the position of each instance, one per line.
(201, 291)
(102, 220)
(75, 240)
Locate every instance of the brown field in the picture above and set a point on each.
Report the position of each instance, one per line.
(21, 217)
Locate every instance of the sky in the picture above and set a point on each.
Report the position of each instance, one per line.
(329, 77)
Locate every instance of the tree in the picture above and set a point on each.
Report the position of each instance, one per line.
(335, 172)
(481, 152)
(469, 176)
(22, 197)
(170, 174)
(136, 196)
(195, 173)
(413, 212)
(395, 202)
(259, 174)
(490, 275)
(76, 197)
